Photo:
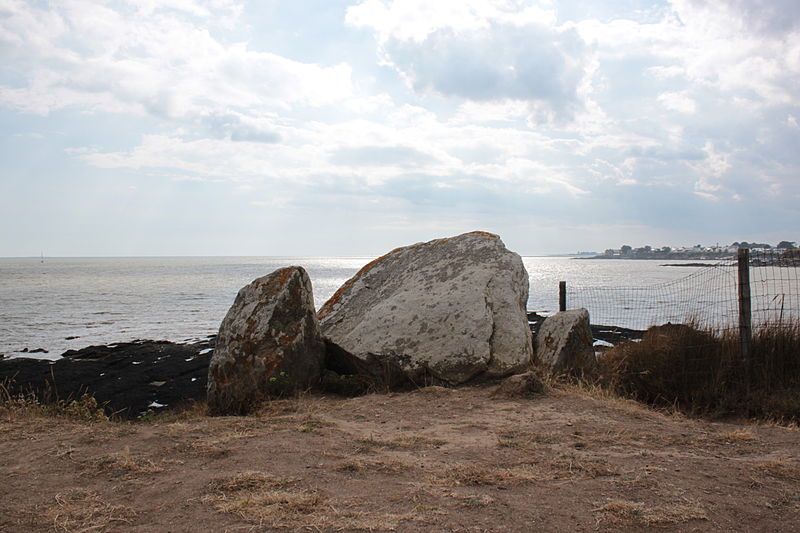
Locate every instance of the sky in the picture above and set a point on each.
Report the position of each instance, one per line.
(334, 127)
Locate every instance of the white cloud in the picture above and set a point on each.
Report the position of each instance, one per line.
(502, 111)
(725, 47)
(481, 51)
(661, 72)
(678, 101)
(416, 20)
(484, 109)
(153, 59)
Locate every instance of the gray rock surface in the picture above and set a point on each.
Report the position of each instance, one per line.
(269, 343)
(564, 343)
(450, 308)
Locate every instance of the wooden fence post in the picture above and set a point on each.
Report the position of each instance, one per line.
(745, 318)
(562, 295)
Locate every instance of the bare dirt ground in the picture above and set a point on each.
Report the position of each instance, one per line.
(431, 460)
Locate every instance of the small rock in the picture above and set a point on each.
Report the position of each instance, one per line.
(519, 386)
(564, 343)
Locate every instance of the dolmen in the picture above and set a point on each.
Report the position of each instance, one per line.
(450, 311)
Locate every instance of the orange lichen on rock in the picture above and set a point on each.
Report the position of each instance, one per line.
(268, 344)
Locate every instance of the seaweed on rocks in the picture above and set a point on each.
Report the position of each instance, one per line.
(128, 379)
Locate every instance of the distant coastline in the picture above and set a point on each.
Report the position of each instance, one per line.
(672, 256)
(784, 252)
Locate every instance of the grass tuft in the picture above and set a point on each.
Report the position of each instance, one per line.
(79, 510)
(622, 512)
(267, 500)
(27, 405)
(781, 469)
(125, 464)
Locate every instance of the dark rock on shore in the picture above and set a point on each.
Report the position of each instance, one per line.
(609, 334)
(127, 379)
(689, 265)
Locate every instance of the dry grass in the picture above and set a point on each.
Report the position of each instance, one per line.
(472, 474)
(738, 436)
(260, 497)
(525, 440)
(700, 372)
(623, 512)
(216, 446)
(265, 499)
(466, 468)
(309, 423)
(570, 465)
(781, 469)
(82, 511)
(471, 500)
(403, 442)
(363, 466)
(28, 405)
(124, 464)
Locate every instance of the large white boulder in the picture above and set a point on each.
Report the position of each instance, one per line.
(269, 343)
(451, 308)
(564, 343)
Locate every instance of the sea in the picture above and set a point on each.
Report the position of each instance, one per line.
(58, 304)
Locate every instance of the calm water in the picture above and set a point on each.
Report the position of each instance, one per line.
(63, 304)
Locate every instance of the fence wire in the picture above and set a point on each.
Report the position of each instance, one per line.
(707, 298)
(775, 287)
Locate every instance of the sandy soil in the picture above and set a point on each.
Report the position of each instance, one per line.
(431, 460)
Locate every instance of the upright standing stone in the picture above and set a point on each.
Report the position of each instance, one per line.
(269, 343)
(451, 308)
(564, 343)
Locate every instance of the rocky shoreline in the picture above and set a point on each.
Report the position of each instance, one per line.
(128, 379)
(446, 312)
(133, 379)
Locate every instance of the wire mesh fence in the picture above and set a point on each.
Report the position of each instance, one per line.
(728, 329)
(775, 287)
(708, 298)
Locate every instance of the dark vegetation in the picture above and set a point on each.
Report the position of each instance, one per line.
(703, 373)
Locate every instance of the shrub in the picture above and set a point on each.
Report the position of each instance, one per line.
(703, 372)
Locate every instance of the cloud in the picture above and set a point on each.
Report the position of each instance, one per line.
(678, 101)
(480, 52)
(154, 58)
(415, 20)
(476, 110)
(766, 17)
(402, 156)
(240, 128)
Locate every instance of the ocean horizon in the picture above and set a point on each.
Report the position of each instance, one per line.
(72, 302)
